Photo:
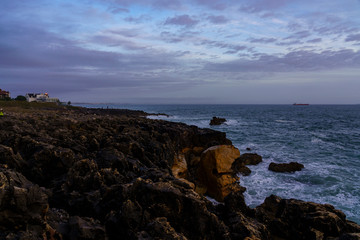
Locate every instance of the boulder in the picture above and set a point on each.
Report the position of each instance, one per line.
(249, 159)
(23, 204)
(215, 171)
(285, 167)
(217, 121)
(246, 159)
(296, 219)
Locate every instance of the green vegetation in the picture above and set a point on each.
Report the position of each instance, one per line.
(20, 98)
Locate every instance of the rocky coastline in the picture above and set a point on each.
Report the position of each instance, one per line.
(77, 173)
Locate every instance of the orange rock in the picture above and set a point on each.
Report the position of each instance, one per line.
(215, 171)
(179, 168)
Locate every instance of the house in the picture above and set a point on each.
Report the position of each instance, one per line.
(40, 97)
(4, 94)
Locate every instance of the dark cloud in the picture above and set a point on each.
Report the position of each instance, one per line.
(218, 19)
(299, 35)
(182, 36)
(59, 65)
(139, 19)
(315, 40)
(117, 10)
(231, 48)
(289, 43)
(182, 20)
(263, 5)
(214, 4)
(353, 38)
(294, 61)
(111, 41)
(262, 40)
(125, 32)
(168, 4)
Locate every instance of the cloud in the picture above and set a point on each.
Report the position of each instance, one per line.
(139, 19)
(231, 48)
(353, 38)
(262, 40)
(315, 40)
(294, 61)
(218, 19)
(214, 4)
(182, 20)
(299, 35)
(117, 10)
(263, 5)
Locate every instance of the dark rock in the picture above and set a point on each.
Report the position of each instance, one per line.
(246, 159)
(295, 219)
(285, 167)
(110, 174)
(248, 149)
(23, 205)
(217, 121)
(249, 159)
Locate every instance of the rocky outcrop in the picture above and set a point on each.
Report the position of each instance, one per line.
(217, 121)
(239, 165)
(285, 167)
(295, 219)
(215, 171)
(75, 173)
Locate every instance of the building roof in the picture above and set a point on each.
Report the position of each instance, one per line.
(2, 92)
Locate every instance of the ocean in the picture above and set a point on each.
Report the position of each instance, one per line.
(324, 138)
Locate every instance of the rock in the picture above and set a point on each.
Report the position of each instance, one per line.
(165, 210)
(243, 170)
(160, 228)
(285, 167)
(246, 159)
(179, 168)
(296, 219)
(249, 159)
(22, 204)
(215, 171)
(217, 121)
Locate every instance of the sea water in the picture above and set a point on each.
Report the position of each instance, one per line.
(324, 138)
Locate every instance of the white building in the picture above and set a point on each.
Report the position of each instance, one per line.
(40, 97)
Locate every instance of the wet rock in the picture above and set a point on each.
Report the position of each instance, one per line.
(285, 167)
(249, 159)
(215, 171)
(295, 219)
(217, 121)
(246, 159)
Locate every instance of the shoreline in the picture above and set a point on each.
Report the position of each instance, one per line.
(102, 173)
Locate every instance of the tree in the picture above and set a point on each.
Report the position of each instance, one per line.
(20, 98)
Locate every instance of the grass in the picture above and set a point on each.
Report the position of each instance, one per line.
(23, 106)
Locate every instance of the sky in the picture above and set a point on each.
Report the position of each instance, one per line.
(182, 51)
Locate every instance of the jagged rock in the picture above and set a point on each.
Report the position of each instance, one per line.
(8, 158)
(296, 219)
(285, 167)
(107, 174)
(23, 205)
(183, 209)
(246, 159)
(217, 121)
(215, 171)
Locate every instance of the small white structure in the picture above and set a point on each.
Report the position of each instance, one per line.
(40, 97)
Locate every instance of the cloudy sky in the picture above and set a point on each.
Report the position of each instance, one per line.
(182, 51)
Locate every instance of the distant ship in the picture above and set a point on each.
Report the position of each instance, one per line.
(301, 104)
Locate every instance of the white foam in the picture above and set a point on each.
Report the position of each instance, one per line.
(284, 121)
